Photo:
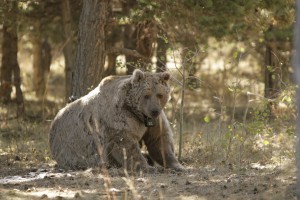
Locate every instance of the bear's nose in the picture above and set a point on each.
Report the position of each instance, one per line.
(154, 113)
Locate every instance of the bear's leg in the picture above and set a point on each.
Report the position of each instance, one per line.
(160, 145)
(71, 145)
(125, 151)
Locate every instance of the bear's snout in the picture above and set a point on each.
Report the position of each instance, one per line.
(154, 113)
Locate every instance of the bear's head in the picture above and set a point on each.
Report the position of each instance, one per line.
(149, 93)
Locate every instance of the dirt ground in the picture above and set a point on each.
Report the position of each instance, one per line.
(27, 172)
(209, 182)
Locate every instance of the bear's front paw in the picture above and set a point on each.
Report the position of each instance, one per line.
(177, 167)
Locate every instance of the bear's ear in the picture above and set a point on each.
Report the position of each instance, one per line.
(165, 76)
(137, 76)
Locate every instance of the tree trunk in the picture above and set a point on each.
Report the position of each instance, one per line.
(140, 37)
(129, 38)
(276, 73)
(90, 57)
(7, 63)
(41, 61)
(271, 82)
(130, 43)
(10, 66)
(69, 48)
(161, 53)
(39, 84)
(114, 39)
(46, 58)
(111, 66)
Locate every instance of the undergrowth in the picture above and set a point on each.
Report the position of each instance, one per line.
(262, 134)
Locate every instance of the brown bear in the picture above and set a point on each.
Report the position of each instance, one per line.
(108, 124)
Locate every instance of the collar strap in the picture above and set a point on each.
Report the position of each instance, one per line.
(148, 122)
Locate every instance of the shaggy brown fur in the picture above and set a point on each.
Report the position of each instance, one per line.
(109, 123)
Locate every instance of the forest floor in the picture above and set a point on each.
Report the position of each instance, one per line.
(28, 172)
(210, 182)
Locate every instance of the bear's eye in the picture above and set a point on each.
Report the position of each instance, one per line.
(160, 96)
(147, 96)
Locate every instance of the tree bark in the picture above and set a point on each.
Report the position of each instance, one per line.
(90, 57)
(69, 48)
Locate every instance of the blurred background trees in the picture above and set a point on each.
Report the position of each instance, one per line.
(10, 70)
(149, 29)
